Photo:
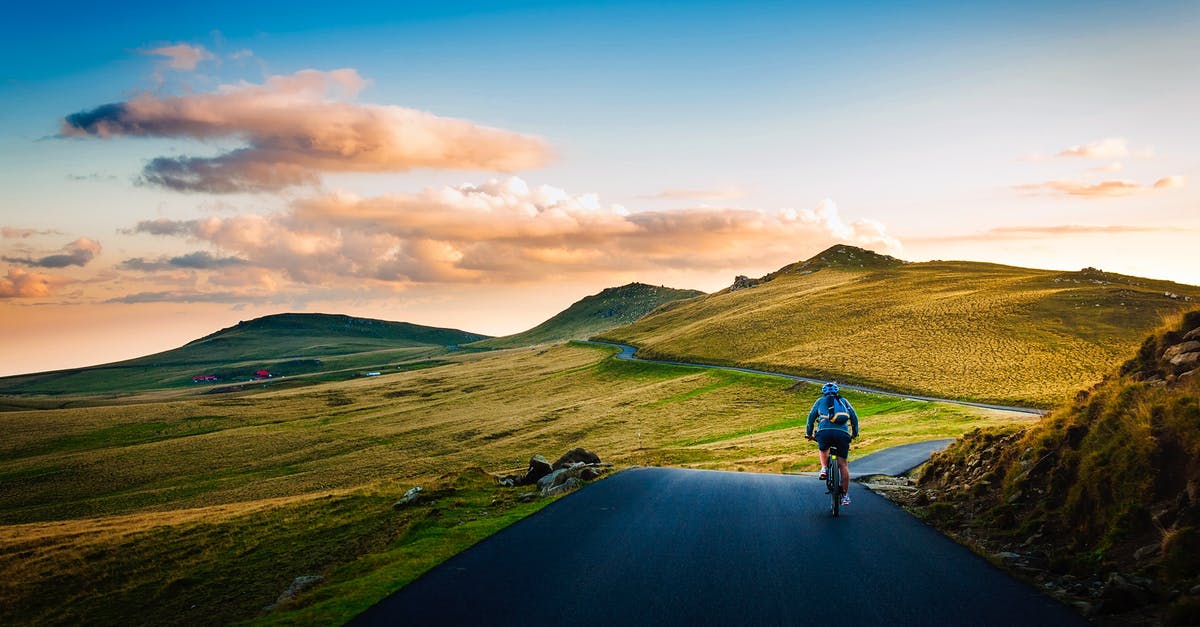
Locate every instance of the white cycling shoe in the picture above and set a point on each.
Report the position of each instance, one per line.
(845, 499)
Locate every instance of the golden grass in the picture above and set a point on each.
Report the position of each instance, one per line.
(227, 478)
(951, 329)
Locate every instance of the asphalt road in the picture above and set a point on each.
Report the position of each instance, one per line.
(659, 546)
(629, 353)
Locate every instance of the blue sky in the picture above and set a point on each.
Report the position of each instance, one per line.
(1050, 134)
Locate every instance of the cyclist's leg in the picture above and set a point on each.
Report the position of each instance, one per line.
(844, 463)
(822, 448)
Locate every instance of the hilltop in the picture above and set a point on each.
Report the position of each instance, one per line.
(611, 308)
(282, 344)
(960, 329)
(1106, 488)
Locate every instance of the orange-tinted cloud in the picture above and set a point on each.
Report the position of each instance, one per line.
(78, 253)
(1107, 148)
(297, 127)
(20, 283)
(1169, 182)
(1103, 189)
(181, 56)
(506, 231)
(11, 232)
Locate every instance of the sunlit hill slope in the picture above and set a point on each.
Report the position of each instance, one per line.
(283, 344)
(611, 308)
(948, 328)
(1109, 482)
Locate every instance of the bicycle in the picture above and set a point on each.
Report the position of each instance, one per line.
(833, 480)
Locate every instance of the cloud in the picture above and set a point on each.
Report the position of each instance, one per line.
(1103, 189)
(78, 253)
(181, 56)
(20, 283)
(10, 232)
(297, 127)
(162, 226)
(1169, 182)
(200, 260)
(1115, 166)
(1108, 148)
(507, 231)
(722, 193)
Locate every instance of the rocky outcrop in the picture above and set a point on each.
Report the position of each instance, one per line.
(410, 497)
(299, 586)
(576, 456)
(741, 282)
(572, 469)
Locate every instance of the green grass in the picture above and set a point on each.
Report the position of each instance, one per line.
(953, 329)
(1110, 472)
(611, 308)
(314, 346)
(206, 500)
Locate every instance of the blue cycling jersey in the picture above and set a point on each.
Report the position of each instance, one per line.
(820, 416)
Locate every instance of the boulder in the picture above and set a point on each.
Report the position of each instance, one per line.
(1148, 551)
(1120, 595)
(299, 586)
(1186, 360)
(1194, 334)
(1179, 349)
(538, 468)
(412, 496)
(527, 497)
(548, 481)
(570, 484)
(575, 456)
(589, 473)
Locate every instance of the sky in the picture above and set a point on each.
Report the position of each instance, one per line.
(166, 171)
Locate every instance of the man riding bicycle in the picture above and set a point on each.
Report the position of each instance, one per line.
(834, 419)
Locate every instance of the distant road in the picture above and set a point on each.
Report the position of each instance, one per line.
(667, 546)
(628, 353)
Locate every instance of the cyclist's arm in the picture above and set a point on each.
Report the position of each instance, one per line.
(812, 418)
(853, 419)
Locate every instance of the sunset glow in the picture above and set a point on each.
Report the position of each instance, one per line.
(166, 173)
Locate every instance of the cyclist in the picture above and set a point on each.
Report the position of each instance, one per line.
(834, 418)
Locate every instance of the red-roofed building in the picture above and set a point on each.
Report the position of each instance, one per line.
(262, 374)
(204, 378)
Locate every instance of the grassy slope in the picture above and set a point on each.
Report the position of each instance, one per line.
(1115, 470)
(220, 502)
(611, 308)
(288, 344)
(946, 328)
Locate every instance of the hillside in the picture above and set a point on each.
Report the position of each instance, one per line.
(201, 510)
(957, 329)
(283, 344)
(1108, 483)
(611, 308)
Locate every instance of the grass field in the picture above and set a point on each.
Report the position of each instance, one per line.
(952, 329)
(317, 346)
(611, 308)
(218, 502)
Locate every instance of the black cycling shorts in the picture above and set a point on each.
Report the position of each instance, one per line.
(832, 438)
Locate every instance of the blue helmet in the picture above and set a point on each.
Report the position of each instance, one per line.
(829, 388)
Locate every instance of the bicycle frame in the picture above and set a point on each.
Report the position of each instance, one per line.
(833, 482)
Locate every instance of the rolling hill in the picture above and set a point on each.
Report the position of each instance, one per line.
(611, 308)
(958, 329)
(282, 344)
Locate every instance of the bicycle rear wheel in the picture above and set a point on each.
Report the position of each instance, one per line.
(835, 486)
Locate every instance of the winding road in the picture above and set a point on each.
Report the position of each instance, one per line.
(667, 546)
(628, 353)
